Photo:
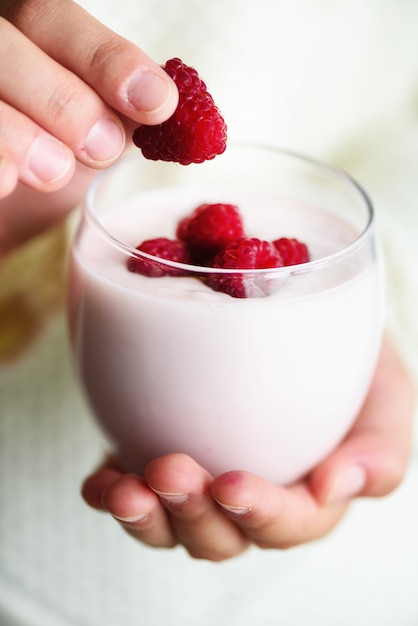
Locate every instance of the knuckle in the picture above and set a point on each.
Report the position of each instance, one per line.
(105, 50)
(61, 104)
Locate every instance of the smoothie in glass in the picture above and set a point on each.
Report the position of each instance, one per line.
(268, 384)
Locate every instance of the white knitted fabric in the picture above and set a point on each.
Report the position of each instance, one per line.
(334, 79)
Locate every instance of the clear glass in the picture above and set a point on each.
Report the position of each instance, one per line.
(267, 384)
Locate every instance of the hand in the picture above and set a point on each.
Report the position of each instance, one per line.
(178, 502)
(70, 89)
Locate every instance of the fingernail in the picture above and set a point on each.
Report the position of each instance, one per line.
(236, 510)
(173, 498)
(49, 160)
(148, 92)
(347, 485)
(105, 141)
(130, 520)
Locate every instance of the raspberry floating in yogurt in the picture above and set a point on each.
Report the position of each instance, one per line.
(213, 235)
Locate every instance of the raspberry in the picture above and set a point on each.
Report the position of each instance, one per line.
(292, 251)
(171, 250)
(196, 132)
(245, 253)
(209, 228)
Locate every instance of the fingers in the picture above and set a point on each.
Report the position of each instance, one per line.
(69, 87)
(121, 73)
(184, 489)
(56, 100)
(139, 511)
(94, 486)
(371, 462)
(31, 154)
(271, 516)
(136, 508)
(374, 457)
(172, 505)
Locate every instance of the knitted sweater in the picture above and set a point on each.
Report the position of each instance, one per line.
(335, 80)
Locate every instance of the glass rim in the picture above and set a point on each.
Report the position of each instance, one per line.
(300, 268)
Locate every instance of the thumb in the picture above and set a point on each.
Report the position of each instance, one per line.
(374, 457)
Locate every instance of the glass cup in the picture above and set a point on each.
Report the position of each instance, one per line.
(269, 383)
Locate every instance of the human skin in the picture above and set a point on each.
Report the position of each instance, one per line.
(49, 153)
(65, 108)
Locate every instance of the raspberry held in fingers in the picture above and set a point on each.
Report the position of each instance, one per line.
(196, 132)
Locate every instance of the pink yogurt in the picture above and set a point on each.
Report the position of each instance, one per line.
(269, 385)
